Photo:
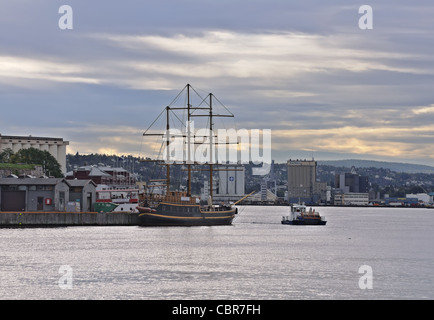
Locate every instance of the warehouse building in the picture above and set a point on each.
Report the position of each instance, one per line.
(45, 194)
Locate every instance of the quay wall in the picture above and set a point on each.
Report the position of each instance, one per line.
(64, 219)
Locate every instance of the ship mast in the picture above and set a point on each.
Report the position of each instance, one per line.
(190, 111)
(211, 134)
(168, 152)
(188, 142)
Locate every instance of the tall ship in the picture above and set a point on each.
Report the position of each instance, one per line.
(180, 208)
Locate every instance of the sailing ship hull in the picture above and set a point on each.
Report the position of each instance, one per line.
(175, 215)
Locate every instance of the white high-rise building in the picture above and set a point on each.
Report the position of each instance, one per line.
(231, 185)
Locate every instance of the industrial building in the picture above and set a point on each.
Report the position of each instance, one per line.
(46, 194)
(231, 183)
(351, 199)
(424, 198)
(351, 189)
(301, 180)
(302, 184)
(352, 182)
(55, 146)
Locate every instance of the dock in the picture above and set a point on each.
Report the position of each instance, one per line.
(66, 219)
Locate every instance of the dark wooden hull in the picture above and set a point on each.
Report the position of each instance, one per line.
(167, 214)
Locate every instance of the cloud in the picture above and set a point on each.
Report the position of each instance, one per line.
(280, 55)
(424, 110)
(302, 69)
(14, 69)
(384, 141)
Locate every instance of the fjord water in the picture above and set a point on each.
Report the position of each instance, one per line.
(255, 258)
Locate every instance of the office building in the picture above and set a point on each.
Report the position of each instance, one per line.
(351, 182)
(351, 189)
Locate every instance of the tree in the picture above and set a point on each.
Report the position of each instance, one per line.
(5, 156)
(44, 158)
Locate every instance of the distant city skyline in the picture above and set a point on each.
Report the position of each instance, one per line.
(326, 87)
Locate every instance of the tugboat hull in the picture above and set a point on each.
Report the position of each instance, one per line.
(305, 222)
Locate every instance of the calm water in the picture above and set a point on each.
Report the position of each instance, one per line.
(255, 258)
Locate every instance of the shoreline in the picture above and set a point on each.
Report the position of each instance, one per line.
(341, 206)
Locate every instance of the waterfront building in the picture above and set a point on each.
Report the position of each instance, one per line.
(82, 195)
(55, 146)
(302, 183)
(351, 199)
(421, 197)
(45, 194)
(352, 182)
(104, 175)
(351, 189)
(400, 202)
(231, 183)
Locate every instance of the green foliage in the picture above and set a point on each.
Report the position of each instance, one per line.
(33, 156)
(5, 156)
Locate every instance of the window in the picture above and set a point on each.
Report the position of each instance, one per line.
(9, 188)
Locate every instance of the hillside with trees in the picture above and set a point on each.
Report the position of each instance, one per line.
(381, 177)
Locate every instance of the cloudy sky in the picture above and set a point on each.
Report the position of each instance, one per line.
(302, 68)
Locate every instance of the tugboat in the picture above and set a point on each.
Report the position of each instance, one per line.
(300, 216)
(180, 208)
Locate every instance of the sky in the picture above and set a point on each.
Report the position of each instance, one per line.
(304, 69)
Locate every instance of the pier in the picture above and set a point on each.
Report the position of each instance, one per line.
(65, 219)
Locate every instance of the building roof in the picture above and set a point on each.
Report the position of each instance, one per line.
(118, 169)
(30, 138)
(44, 182)
(79, 183)
(97, 172)
(30, 181)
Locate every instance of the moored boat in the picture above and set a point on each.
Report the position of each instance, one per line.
(180, 208)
